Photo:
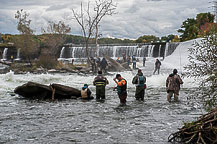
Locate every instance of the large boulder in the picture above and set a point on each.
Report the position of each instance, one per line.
(115, 66)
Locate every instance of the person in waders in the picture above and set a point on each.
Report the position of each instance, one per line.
(139, 80)
(157, 66)
(144, 60)
(134, 62)
(100, 82)
(173, 83)
(86, 93)
(121, 88)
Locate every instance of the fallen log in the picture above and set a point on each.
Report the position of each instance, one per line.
(34, 90)
(204, 130)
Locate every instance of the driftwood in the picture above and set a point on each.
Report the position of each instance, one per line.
(33, 90)
(204, 130)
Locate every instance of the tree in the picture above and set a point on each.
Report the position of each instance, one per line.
(26, 42)
(169, 38)
(102, 8)
(56, 37)
(147, 39)
(89, 23)
(203, 65)
(191, 28)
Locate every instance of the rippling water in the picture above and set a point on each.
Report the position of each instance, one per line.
(74, 121)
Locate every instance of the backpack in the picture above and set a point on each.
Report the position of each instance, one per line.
(141, 81)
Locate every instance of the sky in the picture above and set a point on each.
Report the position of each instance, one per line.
(133, 18)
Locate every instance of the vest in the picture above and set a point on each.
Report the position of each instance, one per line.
(84, 93)
(100, 81)
(123, 87)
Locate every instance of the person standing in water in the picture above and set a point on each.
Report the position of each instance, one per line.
(144, 60)
(157, 66)
(103, 65)
(100, 82)
(140, 81)
(173, 83)
(134, 62)
(128, 60)
(121, 88)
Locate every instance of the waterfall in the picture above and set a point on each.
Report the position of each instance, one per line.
(147, 50)
(166, 49)
(5, 54)
(18, 54)
(150, 50)
(114, 51)
(170, 48)
(62, 52)
(159, 50)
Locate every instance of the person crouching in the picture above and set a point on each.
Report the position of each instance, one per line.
(86, 93)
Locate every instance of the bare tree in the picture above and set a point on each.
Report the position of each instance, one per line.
(89, 23)
(102, 8)
(56, 36)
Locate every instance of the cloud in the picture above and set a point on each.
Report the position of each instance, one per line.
(134, 17)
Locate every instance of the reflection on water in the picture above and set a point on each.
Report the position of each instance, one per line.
(71, 121)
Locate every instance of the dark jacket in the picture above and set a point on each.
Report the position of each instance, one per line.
(100, 81)
(157, 64)
(103, 63)
(137, 81)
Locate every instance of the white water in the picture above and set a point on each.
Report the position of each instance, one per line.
(18, 55)
(179, 58)
(5, 54)
(62, 52)
(73, 121)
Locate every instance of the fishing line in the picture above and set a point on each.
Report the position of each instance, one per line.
(180, 59)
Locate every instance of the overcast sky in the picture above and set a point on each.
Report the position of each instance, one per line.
(133, 19)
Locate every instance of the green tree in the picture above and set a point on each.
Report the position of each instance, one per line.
(26, 41)
(147, 39)
(191, 27)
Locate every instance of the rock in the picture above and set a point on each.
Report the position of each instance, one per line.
(115, 65)
(126, 66)
(34, 90)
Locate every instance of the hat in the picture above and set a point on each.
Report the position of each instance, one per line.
(86, 85)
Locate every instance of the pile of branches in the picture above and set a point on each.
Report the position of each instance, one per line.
(204, 130)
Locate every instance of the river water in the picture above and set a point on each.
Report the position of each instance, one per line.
(76, 121)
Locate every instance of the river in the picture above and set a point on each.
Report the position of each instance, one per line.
(75, 121)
